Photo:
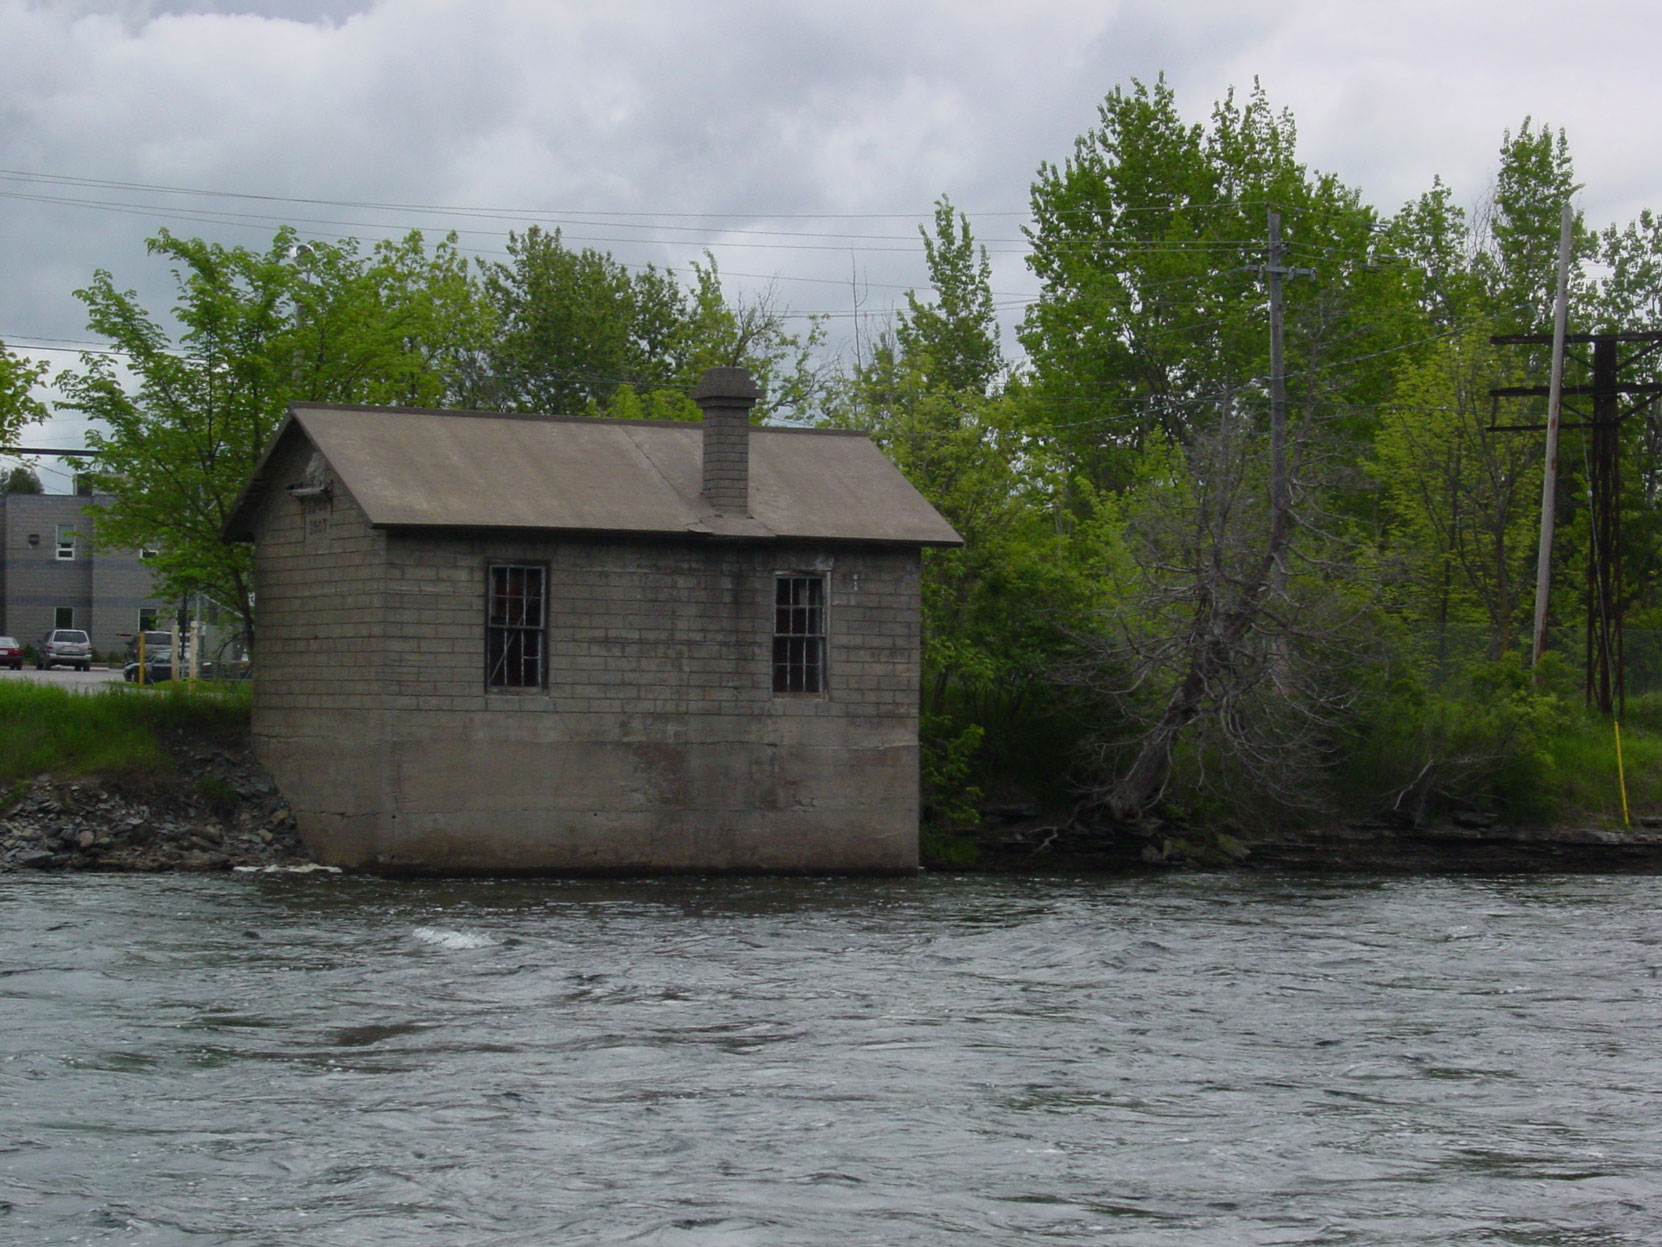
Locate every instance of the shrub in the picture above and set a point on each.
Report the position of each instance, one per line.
(1492, 740)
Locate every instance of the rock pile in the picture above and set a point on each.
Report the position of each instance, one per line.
(217, 809)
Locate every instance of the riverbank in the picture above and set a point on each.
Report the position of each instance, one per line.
(165, 780)
(214, 808)
(205, 804)
(1478, 846)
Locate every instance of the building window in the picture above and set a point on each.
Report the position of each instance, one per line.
(66, 541)
(146, 553)
(64, 617)
(147, 619)
(798, 634)
(516, 627)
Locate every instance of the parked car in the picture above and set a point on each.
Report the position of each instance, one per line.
(158, 667)
(158, 658)
(64, 647)
(154, 640)
(11, 653)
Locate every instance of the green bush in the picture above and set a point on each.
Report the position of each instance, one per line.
(948, 755)
(1493, 740)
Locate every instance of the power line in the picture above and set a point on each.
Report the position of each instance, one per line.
(994, 246)
(518, 213)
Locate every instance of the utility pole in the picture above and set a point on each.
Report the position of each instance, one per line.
(1549, 475)
(1280, 486)
(1606, 681)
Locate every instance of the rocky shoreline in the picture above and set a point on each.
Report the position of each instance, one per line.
(216, 810)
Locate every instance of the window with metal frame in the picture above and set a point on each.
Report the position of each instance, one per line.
(66, 541)
(63, 617)
(516, 629)
(798, 633)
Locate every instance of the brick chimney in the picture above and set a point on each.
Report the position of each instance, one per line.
(726, 395)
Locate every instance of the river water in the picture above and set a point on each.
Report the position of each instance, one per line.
(1190, 1060)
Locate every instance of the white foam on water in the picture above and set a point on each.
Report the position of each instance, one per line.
(308, 869)
(440, 937)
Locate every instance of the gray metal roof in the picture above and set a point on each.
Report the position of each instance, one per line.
(419, 468)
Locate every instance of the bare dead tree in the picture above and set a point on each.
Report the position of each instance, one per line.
(1217, 648)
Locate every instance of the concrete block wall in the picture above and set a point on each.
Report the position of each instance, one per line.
(658, 742)
(655, 628)
(320, 683)
(727, 460)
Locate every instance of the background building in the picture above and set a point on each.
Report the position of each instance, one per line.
(52, 576)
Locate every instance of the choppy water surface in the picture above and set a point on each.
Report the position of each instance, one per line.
(1200, 1060)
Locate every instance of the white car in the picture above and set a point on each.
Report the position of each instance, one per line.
(64, 647)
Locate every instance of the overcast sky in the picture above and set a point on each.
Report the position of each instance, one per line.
(802, 143)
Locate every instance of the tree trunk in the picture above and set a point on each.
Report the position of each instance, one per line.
(1213, 656)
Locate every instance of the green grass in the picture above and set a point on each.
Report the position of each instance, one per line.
(1582, 773)
(56, 731)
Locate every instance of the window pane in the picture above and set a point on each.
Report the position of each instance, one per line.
(799, 634)
(514, 633)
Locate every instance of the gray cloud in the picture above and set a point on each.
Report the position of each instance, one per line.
(771, 116)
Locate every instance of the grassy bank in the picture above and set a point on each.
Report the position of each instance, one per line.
(46, 730)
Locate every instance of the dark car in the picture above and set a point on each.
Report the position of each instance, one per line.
(64, 647)
(158, 658)
(11, 653)
(158, 666)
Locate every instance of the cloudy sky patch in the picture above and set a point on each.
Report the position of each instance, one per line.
(802, 143)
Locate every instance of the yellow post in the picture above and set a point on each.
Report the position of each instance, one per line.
(141, 667)
(1621, 774)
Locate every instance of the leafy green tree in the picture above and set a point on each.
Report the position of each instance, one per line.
(715, 332)
(1630, 294)
(1430, 240)
(1148, 243)
(999, 612)
(18, 406)
(185, 419)
(1462, 501)
(1517, 242)
(1628, 298)
(572, 326)
(995, 609)
(21, 480)
(578, 333)
(1150, 338)
(1231, 684)
(952, 343)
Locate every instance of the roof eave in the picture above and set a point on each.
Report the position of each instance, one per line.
(239, 524)
(670, 534)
